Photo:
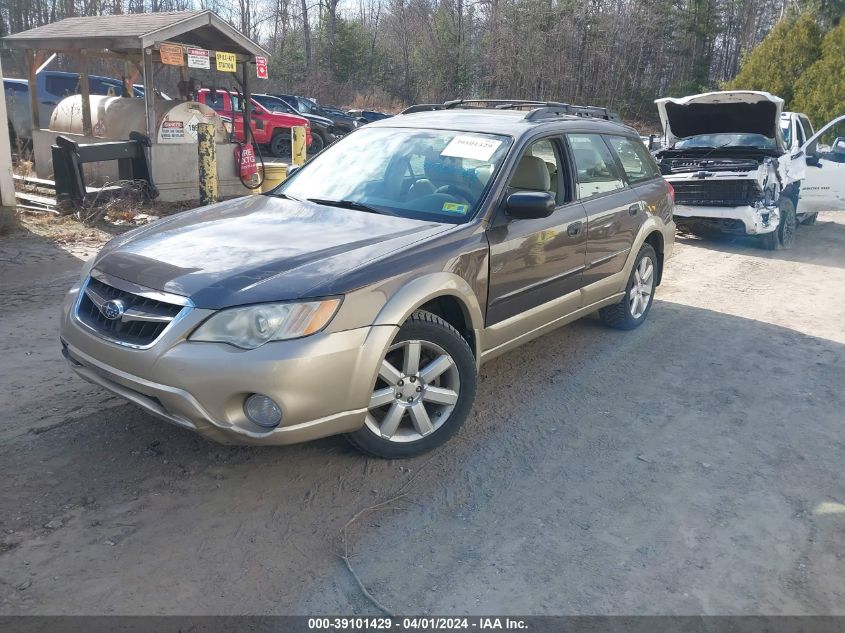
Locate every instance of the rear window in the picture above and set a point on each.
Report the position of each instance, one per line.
(636, 161)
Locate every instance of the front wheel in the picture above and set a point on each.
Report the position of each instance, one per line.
(784, 235)
(317, 143)
(810, 219)
(635, 305)
(280, 146)
(424, 390)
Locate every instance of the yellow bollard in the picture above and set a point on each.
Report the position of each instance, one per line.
(298, 145)
(207, 163)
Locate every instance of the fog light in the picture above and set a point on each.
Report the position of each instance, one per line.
(263, 411)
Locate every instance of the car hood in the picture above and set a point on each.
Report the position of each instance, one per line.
(256, 249)
(315, 118)
(731, 112)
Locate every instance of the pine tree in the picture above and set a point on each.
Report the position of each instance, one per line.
(793, 45)
(820, 91)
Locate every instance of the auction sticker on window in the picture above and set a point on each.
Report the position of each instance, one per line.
(475, 147)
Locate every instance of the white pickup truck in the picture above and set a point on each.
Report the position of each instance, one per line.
(740, 165)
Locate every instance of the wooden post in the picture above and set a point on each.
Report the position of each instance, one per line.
(149, 94)
(247, 104)
(7, 183)
(85, 93)
(207, 163)
(33, 90)
(298, 145)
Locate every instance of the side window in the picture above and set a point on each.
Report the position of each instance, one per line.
(636, 161)
(808, 127)
(539, 169)
(61, 85)
(595, 166)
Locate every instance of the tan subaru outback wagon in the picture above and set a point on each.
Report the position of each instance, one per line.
(361, 296)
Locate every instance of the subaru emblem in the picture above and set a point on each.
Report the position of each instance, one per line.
(113, 309)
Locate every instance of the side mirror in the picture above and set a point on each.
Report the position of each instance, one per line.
(530, 205)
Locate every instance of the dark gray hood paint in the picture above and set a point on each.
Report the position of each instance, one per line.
(257, 249)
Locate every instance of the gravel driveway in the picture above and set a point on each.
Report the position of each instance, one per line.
(692, 466)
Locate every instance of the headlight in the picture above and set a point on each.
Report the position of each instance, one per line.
(87, 267)
(252, 326)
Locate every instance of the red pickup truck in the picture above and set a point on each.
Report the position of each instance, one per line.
(268, 128)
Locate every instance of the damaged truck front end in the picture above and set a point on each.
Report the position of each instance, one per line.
(724, 157)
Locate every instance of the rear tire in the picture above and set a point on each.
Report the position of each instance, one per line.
(630, 312)
(423, 393)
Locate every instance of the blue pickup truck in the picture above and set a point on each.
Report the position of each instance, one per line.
(53, 86)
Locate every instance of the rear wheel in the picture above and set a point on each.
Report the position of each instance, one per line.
(423, 393)
(634, 307)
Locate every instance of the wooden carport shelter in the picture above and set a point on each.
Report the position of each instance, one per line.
(136, 38)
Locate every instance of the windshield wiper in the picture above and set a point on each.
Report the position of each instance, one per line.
(286, 197)
(345, 204)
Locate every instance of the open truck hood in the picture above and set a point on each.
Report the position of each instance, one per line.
(729, 112)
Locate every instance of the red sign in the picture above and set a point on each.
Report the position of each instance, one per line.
(246, 161)
(261, 67)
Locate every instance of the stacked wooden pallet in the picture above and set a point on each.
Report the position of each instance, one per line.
(36, 194)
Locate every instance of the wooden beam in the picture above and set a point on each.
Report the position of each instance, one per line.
(85, 93)
(149, 95)
(32, 66)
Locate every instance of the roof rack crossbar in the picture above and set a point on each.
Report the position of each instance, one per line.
(539, 109)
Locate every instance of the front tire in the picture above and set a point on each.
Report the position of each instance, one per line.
(318, 143)
(634, 307)
(810, 219)
(280, 146)
(424, 391)
(784, 235)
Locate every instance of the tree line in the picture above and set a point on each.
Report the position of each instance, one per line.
(389, 53)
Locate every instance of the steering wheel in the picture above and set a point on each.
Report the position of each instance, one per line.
(455, 190)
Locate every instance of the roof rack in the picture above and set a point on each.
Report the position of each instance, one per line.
(538, 109)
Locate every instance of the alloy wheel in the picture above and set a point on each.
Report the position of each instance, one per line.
(416, 391)
(641, 288)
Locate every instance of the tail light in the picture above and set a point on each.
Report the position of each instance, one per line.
(671, 191)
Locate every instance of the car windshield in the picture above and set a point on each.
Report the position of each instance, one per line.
(426, 174)
(710, 141)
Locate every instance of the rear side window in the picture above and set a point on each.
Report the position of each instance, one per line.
(595, 166)
(636, 161)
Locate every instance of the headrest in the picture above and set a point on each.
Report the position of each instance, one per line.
(531, 174)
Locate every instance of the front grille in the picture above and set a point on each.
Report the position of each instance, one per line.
(717, 193)
(681, 165)
(142, 320)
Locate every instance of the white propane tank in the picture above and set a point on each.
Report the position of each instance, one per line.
(115, 117)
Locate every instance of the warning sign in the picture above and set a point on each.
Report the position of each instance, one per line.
(261, 67)
(171, 54)
(171, 130)
(226, 62)
(199, 58)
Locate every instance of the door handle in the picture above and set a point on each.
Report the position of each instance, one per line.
(634, 208)
(573, 229)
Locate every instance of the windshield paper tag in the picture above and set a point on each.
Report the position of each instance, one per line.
(471, 147)
(454, 207)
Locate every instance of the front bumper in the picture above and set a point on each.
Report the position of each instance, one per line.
(322, 382)
(754, 220)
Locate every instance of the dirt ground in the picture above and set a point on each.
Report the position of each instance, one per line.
(693, 466)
